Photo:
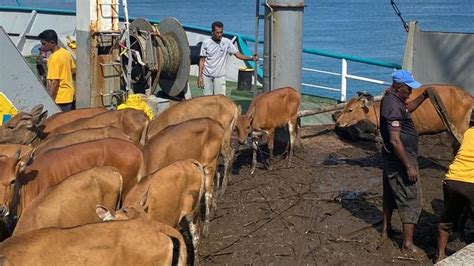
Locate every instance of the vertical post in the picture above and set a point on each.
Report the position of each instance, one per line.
(127, 42)
(283, 43)
(343, 80)
(255, 68)
(86, 13)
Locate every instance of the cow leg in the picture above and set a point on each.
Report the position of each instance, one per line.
(228, 158)
(254, 154)
(194, 232)
(270, 144)
(207, 199)
(188, 230)
(292, 130)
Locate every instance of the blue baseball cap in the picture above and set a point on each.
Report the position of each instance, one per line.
(403, 76)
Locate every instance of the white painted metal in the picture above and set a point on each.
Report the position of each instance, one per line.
(19, 84)
(343, 80)
(86, 12)
(126, 35)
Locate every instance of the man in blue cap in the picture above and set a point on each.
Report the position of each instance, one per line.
(401, 187)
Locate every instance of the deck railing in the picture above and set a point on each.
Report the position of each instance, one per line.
(344, 75)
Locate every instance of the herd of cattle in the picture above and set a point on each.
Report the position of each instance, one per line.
(93, 186)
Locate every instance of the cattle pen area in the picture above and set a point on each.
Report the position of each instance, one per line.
(324, 209)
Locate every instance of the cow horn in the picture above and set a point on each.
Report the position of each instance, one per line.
(17, 154)
(365, 94)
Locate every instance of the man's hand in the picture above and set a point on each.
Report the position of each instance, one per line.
(427, 92)
(255, 57)
(200, 82)
(412, 173)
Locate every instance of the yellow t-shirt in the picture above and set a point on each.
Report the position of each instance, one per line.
(61, 66)
(462, 168)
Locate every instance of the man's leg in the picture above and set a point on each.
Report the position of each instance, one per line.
(219, 86)
(387, 218)
(454, 202)
(408, 197)
(390, 172)
(208, 85)
(443, 236)
(408, 230)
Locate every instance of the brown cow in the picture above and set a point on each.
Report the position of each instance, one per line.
(131, 242)
(198, 139)
(458, 105)
(217, 107)
(63, 118)
(267, 112)
(167, 196)
(132, 122)
(72, 201)
(24, 127)
(80, 136)
(19, 187)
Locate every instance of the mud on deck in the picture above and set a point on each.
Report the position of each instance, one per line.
(325, 209)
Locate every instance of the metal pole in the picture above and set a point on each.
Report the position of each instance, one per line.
(127, 42)
(257, 18)
(283, 43)
(343, 80)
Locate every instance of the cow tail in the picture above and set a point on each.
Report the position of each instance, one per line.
(188, 240)
(176, 259)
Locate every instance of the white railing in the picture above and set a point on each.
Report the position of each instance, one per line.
(344, 77)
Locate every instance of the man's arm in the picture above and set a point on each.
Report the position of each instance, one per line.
(411, 106)
(401, 153)
(246, 58)
(53, 86)
(200, 81)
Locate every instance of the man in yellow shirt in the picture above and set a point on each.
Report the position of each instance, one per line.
(61, 67)
(458, 190)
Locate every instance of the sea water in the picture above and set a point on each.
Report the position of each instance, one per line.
(363, 28)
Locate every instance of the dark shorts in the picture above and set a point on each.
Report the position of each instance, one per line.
(400, 193)
(457, 195)
(67, 106)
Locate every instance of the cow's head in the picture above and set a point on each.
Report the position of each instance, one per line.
(24, 127)
(125, 213)
(244, 126)
(357, 109)
(9, 169)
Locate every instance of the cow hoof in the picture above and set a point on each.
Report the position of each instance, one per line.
(205, 230)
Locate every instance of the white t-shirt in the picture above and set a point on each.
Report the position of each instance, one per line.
(216, 56)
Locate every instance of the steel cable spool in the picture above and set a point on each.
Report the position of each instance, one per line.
(161, 57)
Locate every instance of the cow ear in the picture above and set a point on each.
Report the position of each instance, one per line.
(17, 154)
(144, 198)
(104, 213)
(31, 158)
(252, 114)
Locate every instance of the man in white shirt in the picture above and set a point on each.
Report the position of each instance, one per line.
(213, 58)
